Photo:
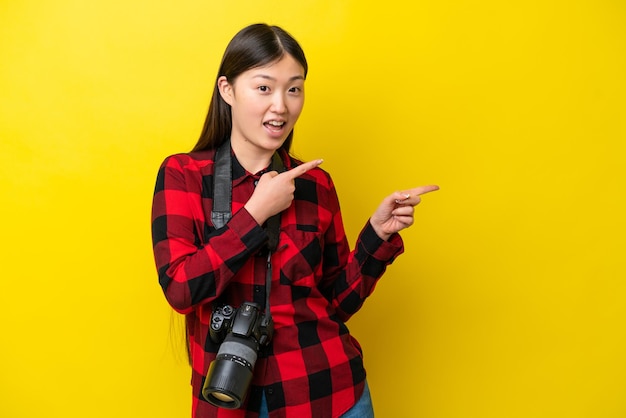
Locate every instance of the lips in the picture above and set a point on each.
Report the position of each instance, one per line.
(275, 125)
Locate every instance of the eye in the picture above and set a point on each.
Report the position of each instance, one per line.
(263, 89)
(295, 90)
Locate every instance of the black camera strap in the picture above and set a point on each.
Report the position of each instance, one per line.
(222, 201)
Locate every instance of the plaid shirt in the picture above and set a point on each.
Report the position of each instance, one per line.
(313, 367)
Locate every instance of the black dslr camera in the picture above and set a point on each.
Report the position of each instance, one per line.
(241, 333)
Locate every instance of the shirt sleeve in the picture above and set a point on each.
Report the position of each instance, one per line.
(194, 269)
(350, 277)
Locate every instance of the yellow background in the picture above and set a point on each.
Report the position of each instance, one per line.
(510, 299)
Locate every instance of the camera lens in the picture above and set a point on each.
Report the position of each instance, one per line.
(222, 397)
(230, 373)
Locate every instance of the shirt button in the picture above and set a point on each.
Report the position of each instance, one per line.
(270, 391)
(257, 289)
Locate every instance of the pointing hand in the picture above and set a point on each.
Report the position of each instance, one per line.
(274, 192)
(395, 212)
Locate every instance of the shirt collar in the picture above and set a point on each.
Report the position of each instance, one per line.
(240, 174)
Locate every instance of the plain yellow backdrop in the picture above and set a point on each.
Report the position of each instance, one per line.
(510, 298)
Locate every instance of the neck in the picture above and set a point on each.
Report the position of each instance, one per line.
(250, 157)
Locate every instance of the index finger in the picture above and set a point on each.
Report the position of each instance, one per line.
(418, 191)
(301, 169)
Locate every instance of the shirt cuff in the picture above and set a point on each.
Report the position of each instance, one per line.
(247, 229)
(378, 247)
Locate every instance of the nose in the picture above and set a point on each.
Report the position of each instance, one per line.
(278, 104)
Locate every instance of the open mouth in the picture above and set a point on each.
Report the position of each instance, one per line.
(274, 125)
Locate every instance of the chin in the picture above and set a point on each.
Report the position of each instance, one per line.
(274, 143)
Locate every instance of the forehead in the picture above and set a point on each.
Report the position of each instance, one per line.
(286, 67)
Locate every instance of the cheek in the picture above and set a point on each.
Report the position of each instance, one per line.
(296, 106)
(248, 106)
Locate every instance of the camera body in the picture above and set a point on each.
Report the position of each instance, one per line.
(241, 333)
(247, 322)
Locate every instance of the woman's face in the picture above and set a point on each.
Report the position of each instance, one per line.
(265, 103)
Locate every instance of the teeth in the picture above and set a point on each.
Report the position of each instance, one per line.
(276, 123)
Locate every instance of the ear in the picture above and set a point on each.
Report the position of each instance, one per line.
(226, 89)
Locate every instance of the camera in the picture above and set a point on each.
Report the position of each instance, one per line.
(241, 333)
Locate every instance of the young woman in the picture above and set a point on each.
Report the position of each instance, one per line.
(274, 274)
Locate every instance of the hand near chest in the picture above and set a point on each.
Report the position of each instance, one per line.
(275, 192)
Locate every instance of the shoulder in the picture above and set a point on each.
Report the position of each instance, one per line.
(200, 161)
(185, 172)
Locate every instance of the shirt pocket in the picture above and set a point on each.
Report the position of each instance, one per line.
(301, 256)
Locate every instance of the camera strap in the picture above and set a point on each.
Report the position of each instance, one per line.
(222, 201)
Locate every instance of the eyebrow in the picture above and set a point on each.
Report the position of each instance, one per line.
(267, 77)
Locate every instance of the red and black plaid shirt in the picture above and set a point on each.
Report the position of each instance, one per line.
(313, 367)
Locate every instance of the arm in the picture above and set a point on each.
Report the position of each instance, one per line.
(350, 279)
(192, 272)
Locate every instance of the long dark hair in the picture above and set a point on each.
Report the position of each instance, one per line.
(254, 46)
